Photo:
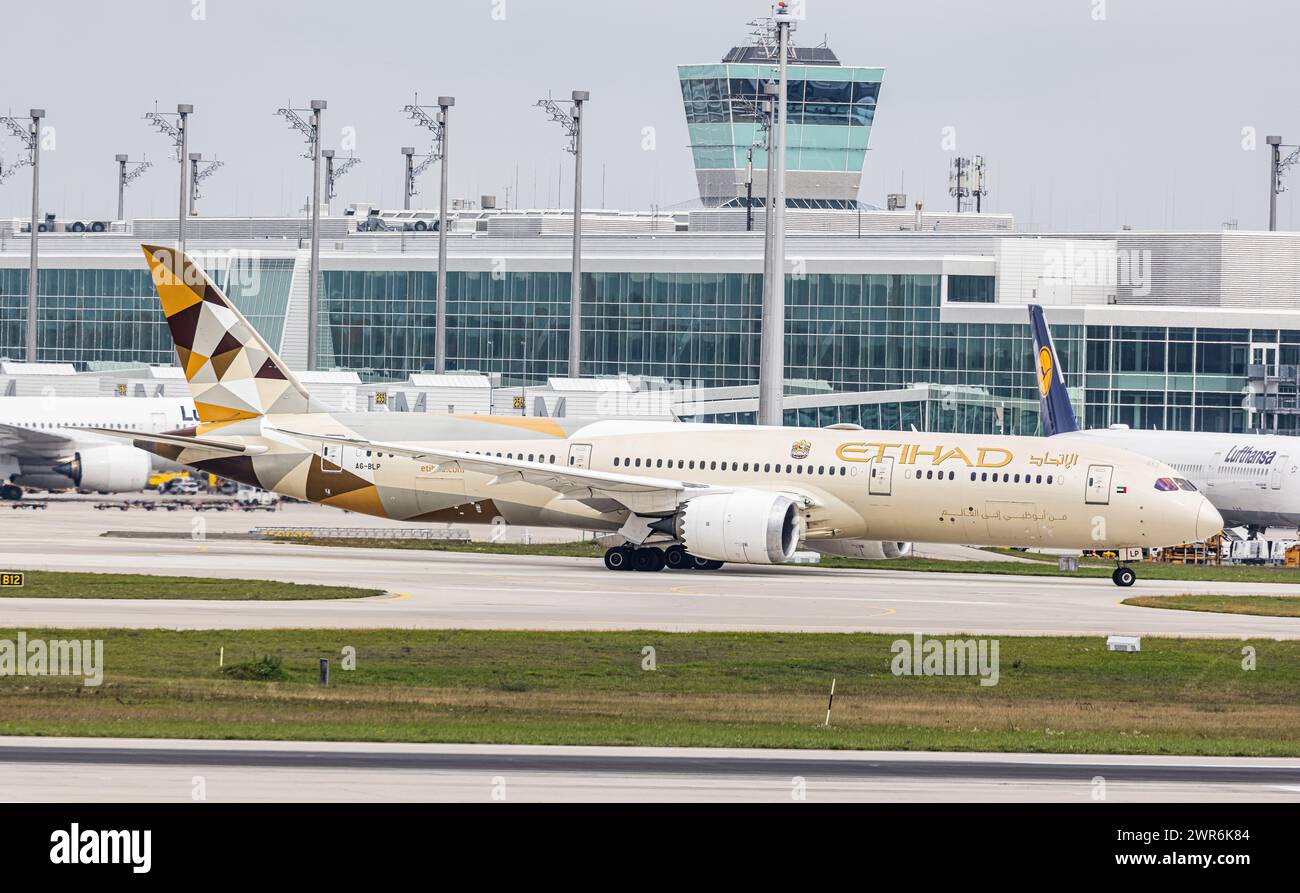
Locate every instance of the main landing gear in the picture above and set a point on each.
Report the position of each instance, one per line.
(1124, 576)
(652, 558)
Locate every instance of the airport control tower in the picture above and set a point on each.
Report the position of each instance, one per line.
(830, 114)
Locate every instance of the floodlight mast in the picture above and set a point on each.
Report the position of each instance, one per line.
(128, 171)
(771, 366)
(438, 124)
(28, 130)
(312, 131)
(179, 134)
(200, 170)
(1277, 167)
(571, 121)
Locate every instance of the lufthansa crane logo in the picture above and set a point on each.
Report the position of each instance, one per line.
(1044, 370)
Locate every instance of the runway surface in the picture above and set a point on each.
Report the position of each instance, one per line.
(440, 590)
(86, 769)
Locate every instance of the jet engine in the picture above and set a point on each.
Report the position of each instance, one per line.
(862, 548)
(108, 469)
(748, 526)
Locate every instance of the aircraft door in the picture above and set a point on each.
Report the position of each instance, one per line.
(1275, 476)
(331, 458)
(580, 455)
(158, 421)
(881, 481)
(1098, 492)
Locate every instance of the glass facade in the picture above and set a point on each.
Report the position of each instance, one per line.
(106, 316)
(84, 316)
(856, 332)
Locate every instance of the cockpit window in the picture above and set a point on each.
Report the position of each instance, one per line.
(1166, 484)
(1184, 484)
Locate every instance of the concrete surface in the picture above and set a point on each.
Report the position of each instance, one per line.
(90, 769)
(433, 590)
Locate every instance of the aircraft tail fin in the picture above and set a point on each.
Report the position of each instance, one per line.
(232, 373)
(1054, 400)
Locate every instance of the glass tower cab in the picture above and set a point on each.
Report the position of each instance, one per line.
(831, 108)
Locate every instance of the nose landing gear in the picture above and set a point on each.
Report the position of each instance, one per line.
(1124, 576)
(651, 558)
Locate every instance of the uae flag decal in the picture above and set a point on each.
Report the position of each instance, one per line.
(1121, 489)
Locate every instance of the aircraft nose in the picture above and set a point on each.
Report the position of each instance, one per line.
(1208, 521)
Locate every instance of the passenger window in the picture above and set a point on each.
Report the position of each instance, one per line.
(1017, 479)
(1049, 478)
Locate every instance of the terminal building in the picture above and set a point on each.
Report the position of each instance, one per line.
(889, 329)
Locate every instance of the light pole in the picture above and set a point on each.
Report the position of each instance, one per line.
(183, 111)
(572, 123)
(311, 130)
(1277, 167)
(438, 124)
(771, 362)
(313, 287)
(408, 177)
(195, 158)
(440, 308)
(200, 170)
(29, 131)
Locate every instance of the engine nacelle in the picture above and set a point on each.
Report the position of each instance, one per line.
(748, 526)
(873, 549)
(108, 469)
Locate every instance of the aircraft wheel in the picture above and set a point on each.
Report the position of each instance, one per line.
(10, 491)
(1124, 576)
(648, 559)
(618, 558)
(676, 558)
(706, 564)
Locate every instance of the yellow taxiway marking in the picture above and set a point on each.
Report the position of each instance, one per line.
(395, 597)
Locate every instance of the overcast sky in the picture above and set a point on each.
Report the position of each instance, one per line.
(1091, 114)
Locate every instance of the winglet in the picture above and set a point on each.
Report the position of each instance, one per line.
(1054, 401)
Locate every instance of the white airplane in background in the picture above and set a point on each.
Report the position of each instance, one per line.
(1251, 479)
(41, 446)
(676, 495)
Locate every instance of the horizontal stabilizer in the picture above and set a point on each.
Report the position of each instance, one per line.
(175, 440)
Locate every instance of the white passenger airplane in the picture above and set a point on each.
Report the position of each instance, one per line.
(1251, 479)
(677, 495)
(43, 446)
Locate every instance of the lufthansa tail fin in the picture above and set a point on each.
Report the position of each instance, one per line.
(1054, 400)
(231, 371)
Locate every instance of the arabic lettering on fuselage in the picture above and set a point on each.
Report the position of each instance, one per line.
(1245, 455)
(1064, 460)
(915, 454)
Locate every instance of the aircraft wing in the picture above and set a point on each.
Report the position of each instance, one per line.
(32, 441)
(601, 490)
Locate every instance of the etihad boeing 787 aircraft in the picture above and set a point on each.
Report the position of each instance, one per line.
(677, 495)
